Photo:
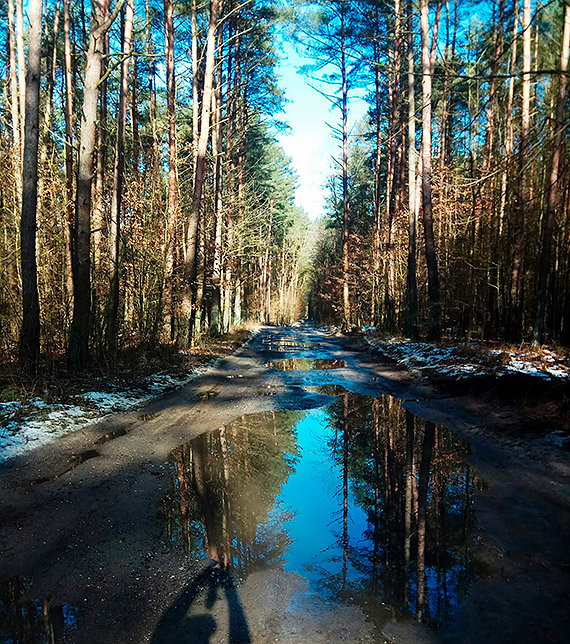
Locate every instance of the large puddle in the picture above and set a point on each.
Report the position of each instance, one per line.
(371, 505)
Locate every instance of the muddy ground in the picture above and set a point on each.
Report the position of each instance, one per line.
(81, 537)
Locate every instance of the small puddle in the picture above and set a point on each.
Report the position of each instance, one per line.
(371, 505)
(294, 364)
(287, 345)
(207, 395)
(25, 621)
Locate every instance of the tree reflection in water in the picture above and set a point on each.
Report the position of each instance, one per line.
(225, 484)
(24, 621)
(371, 504)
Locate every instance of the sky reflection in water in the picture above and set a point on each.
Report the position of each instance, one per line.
(371, 505)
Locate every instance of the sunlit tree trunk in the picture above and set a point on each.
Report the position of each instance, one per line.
(118, 181)
(410, 321)
(20, 49)
(172, 209)
(30, 332)
(392, 179)
(522, 204)
(217, 149)
(553, 203)
(376, 277)
(345, 201)
(46, 126)
(78, 351)
(69, 178)
(434, 332)
(200, 174)
(99, 192)
(15, 106)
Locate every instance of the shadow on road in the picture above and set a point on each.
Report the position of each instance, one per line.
(178, 627)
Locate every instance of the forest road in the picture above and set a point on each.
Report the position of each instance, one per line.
(267, 501)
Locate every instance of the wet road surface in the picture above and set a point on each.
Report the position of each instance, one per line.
(298, 492)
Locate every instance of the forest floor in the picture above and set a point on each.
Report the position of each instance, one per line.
(35, 411)
(535, 380)
(86, 554)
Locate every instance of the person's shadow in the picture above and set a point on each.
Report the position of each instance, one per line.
(175, 627)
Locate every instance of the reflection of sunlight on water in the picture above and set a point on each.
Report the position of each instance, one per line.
(356, 497)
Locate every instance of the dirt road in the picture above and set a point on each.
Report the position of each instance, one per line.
(269, 501)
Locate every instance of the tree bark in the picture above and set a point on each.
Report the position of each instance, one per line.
(522, 203)
(434, 330)
(553, 204)
(118, 181)
(20, 48)
(15, 106)
(194, 219)
(30, 332)
(69, 193)
(345, 200)
(172, 209)
(217, 143)
(410, 322)
(78, 352)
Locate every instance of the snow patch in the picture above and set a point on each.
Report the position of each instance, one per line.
(451, 361)
(29, 424)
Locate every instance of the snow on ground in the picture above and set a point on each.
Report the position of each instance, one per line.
(461, 362)
(29, 424)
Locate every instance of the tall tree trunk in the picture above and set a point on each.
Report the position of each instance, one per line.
(345, 201)
(30, 333)
(553, 204)
(99, 192)
(410, 321)
(20, 48)
(522, 205)
(172, 210)
(392, 182)
(47, 120)
(215, 309)
(265, 295)
(15, 106)
(69, 194)
(434, 331)
(376, 277)
(78, 352)
(195, 108)
(135, 120)
(151, 88)
(194, 219)
(118, 180)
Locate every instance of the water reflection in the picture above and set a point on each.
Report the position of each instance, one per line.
(31, 622)
(294, 364)
(371, 505)
(224, 486)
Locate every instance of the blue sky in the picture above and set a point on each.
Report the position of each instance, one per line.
(310, 143)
